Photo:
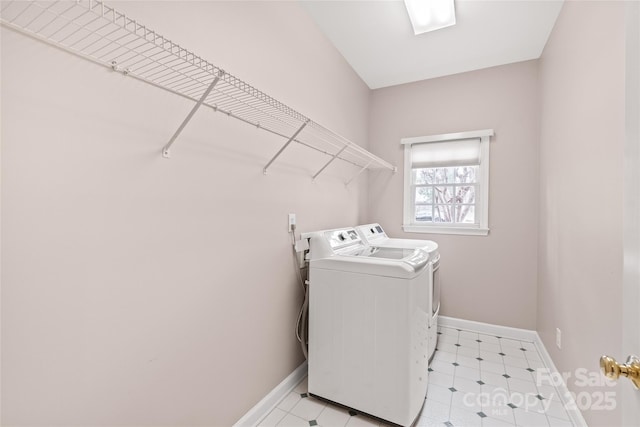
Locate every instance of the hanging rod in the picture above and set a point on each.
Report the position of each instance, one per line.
(100, 33)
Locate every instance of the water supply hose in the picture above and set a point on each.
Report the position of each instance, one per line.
(302, 329)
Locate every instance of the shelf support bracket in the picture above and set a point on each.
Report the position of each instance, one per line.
(364, 168)
(286, 144)
(335, 156)
(165, 149)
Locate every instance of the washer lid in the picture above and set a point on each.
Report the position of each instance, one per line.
(426, 245)
(379, 261)
(374, 235)
(383, 252)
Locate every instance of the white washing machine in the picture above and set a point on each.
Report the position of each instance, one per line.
(374, 235)
(368, 316)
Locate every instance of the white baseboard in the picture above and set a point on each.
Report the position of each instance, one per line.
(271, 400)
(523, 335)
(487, 328)
(569, 403)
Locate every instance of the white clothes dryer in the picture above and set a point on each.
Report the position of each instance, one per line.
(368, 312)
(374, 235)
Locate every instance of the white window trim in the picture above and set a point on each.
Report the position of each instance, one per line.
(482, 206)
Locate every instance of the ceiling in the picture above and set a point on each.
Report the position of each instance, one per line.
(376, 37)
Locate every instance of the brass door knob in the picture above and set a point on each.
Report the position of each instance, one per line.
(614, 370)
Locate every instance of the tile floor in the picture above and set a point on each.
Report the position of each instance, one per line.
(474, 380)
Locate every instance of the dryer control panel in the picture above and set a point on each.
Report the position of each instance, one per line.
(372, 232)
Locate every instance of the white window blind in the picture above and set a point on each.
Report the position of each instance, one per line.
(464, 152)
(446, 183)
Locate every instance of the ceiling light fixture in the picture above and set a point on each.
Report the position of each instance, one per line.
(430, 15)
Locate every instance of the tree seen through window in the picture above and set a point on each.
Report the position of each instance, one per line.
(445, 194)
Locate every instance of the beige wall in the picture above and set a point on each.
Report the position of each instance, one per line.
(629, 398)
(581, 172)
(485, 278)
(143, 291)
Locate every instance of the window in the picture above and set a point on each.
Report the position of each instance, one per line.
(446, 183)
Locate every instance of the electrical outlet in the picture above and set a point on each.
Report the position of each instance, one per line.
(292, 221)
(559, 338)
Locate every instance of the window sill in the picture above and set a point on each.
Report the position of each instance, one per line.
(465, 231)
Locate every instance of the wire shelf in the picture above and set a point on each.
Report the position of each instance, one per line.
(95, 31)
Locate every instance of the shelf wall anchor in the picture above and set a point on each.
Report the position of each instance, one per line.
(286, 144)
(165, 149)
